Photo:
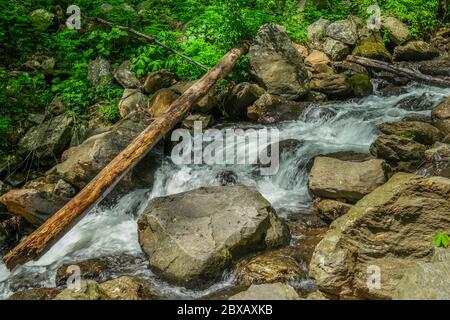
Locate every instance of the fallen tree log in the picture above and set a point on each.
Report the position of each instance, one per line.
(401, 71)
(151, 40)
(62, 221)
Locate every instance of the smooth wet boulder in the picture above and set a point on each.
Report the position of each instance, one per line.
(161, 101)
(329, 210)
(132, 100)
(35, 294)
(332, 85)
(39, 199)
(261, 292)
(415, 51)
(192, 237)
(125, 77)
(335, 179)
(345, 31)
(41, 19)
(159, 80)
(242, 96)
(276, 63)
(99, 72)
(336, 50)
(83, 162)
(270, 109)
(47, 140)
(420, 132)
(388, 230)
(398, 31)
(441, 116)
(268, 268)
(372, 50)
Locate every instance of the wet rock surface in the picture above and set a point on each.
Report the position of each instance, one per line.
(229, 221)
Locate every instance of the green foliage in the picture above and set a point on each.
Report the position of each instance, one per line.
(441, 240)
(201, 29)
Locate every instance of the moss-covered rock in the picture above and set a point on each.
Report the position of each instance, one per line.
(361, 85)
(373, 50)
(41, 19)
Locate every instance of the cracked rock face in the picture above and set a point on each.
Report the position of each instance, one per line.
(192, 237)
(389, 230)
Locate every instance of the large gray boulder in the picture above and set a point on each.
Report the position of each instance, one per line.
(345, 31)
(192, 237)
(398, 31)
(345, 180)
(47, 140)
(277, 64)
(386, 232)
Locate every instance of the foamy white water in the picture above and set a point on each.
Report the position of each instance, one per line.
(327, 128)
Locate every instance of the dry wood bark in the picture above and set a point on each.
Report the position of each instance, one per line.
(401, 71)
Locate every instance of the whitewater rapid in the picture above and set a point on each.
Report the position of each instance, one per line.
(323, 128)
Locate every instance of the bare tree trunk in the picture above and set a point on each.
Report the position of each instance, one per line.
(404, 72)
(56, 226)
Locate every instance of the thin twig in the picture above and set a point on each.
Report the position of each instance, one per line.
(152, 40)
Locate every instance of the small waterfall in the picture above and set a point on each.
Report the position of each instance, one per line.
(322, 129)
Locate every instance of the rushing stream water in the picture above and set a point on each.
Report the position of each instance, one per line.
(323, 129)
